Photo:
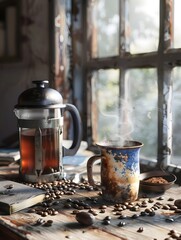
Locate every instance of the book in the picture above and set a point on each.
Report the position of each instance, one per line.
(16, 196)
(9, 155)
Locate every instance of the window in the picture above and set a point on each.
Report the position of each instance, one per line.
(131, 59)
(133, 66)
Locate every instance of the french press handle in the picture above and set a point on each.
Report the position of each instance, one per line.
(77, 131)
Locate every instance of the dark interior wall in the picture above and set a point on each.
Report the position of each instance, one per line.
(17, 76)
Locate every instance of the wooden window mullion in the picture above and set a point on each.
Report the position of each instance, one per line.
(164, 85)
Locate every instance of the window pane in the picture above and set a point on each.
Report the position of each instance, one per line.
(177, 29)
(176, 149)
(105, 96)
(143, 96)
(144, 25)
(103, 25)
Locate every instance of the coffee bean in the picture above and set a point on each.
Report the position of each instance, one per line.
(121, 224)
(102, 211)
(138, 204)
(118, 213)
(170, 199)
(85, 218)
(103, 207)
(134, 216)
(178, 211)
(67, 205)
(47, 224)
(31, 210)
(124, 207)
(80, 207)
(93, 212)
(107, 218)
(130, 206)
(140, 229)
(118, 209)
(143, 213)
(90, 188)
(152, 213)
(75, 211)
(172, 231)
(50, 221)
(54, 212)
(160, 198)
(166, 207)
(40, 221)
(177, 203)
(106, 222)
(169, 219)
(135, 208)
(86, 205)
(175, 235)
(144, 205)
(158, 206)
(122, 216)
(172, 207)
(117, 205)
(155, 208)
(39, 212)
(147, 210)
(44, 214)
(126, 203)
(67, 237)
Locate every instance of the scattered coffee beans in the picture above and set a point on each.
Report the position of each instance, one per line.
(141, 208)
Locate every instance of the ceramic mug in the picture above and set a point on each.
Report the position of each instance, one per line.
(120, 171)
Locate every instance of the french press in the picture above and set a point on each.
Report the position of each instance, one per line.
(40, 112)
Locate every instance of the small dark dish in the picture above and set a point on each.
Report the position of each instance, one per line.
(156, 187)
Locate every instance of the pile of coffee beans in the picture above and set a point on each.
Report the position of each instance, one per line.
(56, 189)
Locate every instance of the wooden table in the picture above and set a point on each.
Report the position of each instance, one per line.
(23, 225)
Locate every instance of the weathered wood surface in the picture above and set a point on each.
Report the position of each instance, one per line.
(65, 225)
(22, 225)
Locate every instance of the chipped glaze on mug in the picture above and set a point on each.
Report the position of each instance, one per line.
(120, 171)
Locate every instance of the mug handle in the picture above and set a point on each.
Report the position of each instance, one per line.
(90, 163)
(77, 131)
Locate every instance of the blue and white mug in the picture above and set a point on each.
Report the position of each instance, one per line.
(120, 171)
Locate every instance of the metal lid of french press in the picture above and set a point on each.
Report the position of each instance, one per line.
(40, 96)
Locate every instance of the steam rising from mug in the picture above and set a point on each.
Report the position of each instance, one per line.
(120, 126)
